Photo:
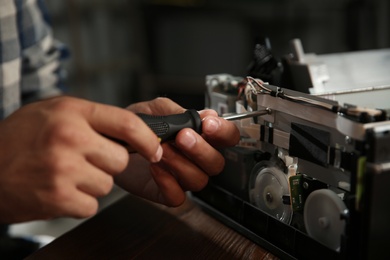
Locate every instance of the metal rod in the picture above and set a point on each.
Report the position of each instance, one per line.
(247, 114)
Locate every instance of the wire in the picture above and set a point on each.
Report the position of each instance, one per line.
(258, 87)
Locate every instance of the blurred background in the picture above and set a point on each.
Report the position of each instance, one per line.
(126, 51)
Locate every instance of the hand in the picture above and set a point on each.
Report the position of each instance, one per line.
(186, 164)
(55, 161)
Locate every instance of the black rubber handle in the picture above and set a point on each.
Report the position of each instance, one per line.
(167, 127)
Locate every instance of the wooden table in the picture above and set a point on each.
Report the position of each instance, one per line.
(134, 228)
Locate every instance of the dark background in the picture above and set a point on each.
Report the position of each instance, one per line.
(125, 51)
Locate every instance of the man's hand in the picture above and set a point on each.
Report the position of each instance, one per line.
(186, 164)
(56, 159)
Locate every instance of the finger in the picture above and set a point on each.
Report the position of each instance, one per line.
(207, 112)
(200, 152)
(170, 192)
(94, 181)
(79, 205)
(68, 200)
(187, 173)
(220, 132)
(160, 106)
(86, 177)
(106, 154)
(125, 125)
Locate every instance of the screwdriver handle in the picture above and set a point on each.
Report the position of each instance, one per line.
(167, 127)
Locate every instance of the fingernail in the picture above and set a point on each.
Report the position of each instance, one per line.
(157, 156)
(189, 140)
(211, 126)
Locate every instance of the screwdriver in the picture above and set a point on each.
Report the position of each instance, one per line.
(167, 127)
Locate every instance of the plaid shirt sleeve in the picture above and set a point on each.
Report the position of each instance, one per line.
(29, 57)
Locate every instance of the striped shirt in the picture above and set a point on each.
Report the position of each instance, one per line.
(29, 57)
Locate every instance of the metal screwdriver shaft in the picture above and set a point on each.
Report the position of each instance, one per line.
(247, 114)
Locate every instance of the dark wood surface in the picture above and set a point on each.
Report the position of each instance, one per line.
(132, 228)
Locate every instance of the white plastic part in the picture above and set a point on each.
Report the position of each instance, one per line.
(269, 187)
(322, 217)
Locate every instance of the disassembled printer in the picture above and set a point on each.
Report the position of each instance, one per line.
(310, 179)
